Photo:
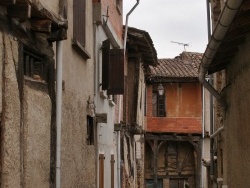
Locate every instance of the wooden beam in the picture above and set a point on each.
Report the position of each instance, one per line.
(22, 11)
(57, 35)
(7, 2)
(172, 137)
(41, 25)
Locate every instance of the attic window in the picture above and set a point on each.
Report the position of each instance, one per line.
(34, 66)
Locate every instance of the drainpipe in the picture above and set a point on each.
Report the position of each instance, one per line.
(126, 25)
(58, 111)
(120, 103)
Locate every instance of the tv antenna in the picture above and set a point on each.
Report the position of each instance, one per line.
(180, 43)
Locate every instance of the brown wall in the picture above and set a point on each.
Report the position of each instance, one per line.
(235, 139)
(183, 109)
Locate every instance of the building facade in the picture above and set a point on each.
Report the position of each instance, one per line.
(228, 63)
(174, 123)
(140, 54)
(30, 52)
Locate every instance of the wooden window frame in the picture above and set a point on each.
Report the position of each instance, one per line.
(35, 66)
(160, 110)
(79, 28)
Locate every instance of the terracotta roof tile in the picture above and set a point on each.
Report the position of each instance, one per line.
(184, 66)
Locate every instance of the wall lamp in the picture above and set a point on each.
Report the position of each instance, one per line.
(160, 89)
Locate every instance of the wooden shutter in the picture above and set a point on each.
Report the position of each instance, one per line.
(112, 164)
(116, 70)
(105, 64)
(101, 170)
(79, 16)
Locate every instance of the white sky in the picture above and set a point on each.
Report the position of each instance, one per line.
(181, 21)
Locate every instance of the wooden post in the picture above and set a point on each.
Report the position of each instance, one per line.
(155, 163)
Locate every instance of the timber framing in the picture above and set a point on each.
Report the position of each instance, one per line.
(173, 137)
(37, 18)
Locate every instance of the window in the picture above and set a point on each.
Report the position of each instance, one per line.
(79, 27)
(90, 131)
(34, 66)
(112, 69)
(158, 103)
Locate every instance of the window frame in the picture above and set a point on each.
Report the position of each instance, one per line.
(79, 28)
(160, 101)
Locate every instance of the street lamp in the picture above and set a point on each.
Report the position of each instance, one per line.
(160, 89)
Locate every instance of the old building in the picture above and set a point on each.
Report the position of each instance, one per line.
(108, 89)
(227, 59)
(28, 31)
(140, 54)
(62, 81)
(174, 123)
(34, 152)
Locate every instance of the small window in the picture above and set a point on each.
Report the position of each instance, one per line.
(90, 131)
(34, 66)
(158, 103)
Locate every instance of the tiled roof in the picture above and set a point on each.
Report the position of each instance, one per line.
(185, 65)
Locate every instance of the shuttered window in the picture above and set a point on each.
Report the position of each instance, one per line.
(101, 170)
(105, 64)
(116, 80)
(79, 28)
(79, 16)
(112, 164)
(112, 69)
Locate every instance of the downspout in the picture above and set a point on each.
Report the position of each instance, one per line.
(126, 24)
(58, 111)
(120, 102)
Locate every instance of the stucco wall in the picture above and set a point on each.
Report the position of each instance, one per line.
(37, 120)
(236, 122)
(10, 137)
(78, 162)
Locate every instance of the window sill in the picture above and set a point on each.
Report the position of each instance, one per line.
(80, 49)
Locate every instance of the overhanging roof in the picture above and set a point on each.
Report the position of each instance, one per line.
(235, 36)
(140, 42)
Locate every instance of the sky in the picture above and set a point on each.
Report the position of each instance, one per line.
(180, 21)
